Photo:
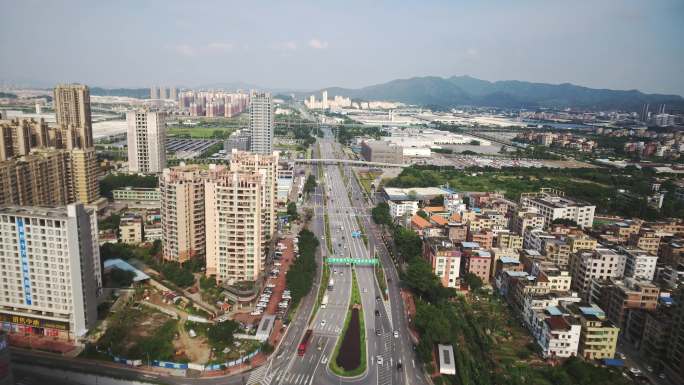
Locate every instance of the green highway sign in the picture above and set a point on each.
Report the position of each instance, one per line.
(356, 261)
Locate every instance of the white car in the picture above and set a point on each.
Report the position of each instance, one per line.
(635, 371)
(323, 322)
(255, 312)
(324, 360)
(379, 358)
(396, 334)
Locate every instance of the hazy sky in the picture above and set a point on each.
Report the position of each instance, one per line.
(618, 44)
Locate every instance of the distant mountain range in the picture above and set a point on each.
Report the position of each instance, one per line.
(465, 90)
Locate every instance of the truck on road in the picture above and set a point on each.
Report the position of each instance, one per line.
(331, 283)
(324, 302)
(301, 349)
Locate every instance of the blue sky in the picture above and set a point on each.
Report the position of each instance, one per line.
(620, 44)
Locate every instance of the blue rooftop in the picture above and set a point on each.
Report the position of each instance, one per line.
(509, 260)
(553, 310)
(613, 362)
(123, 265)
(470, 245)
(592, 310)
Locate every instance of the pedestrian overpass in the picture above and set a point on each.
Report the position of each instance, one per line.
(351, 162)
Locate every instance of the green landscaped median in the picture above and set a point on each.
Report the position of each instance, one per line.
(349, 357)
(321, 289)
(328, 239)
(380, 276)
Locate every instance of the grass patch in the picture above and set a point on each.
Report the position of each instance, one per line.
(328, 239)
(366, 179)
(380, 276)
(362, 229)
(355, 304)
(140, 333)
(321, 289)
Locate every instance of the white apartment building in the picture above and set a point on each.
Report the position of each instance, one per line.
(138, 197)
(401, 208)
(233, 223)
(182, 212)
(146, 141)
(534, 239)
(50, 270)
(639, 264)
(261, 122)
(266, 165)
(131, 230)
(534, 303)
(552, 205)
(525, 219)
(559, 335)
(598, 264)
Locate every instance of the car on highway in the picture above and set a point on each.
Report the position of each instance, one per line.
(323, 322)
(324, 360)
(399, 365)
(379, 358)
(377, 298)
(378, 332)
(377, 313)
(635, 371)
(396, 334)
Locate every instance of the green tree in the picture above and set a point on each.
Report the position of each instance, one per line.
(300, 275)
(110, 223)
(221, 334)
(381, 214)
(408, 243)
(115, 181)
(564, 221)
(156, 248)
(121, 278)
(175, 273)
(310, 185)
(474, 282)
(419, 277)
(292, 211)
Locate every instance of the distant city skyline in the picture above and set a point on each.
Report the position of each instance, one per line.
(309, 46)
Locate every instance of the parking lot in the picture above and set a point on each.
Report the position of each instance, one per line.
(189, 148)
(274, 299)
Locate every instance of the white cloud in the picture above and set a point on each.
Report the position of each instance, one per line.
(318, 44)
(210, 48)
(183, 49)
(219, 47)
(290, 45)
(472, 53)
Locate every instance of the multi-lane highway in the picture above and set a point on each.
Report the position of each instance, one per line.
(285, 366)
